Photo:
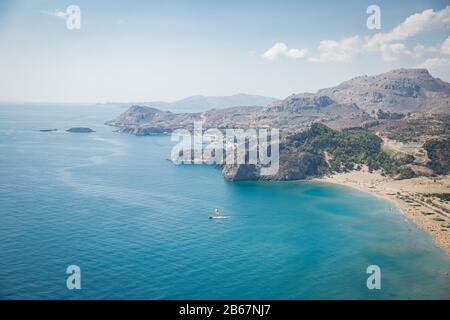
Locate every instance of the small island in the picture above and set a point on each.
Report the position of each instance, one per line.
(80, 130)
(48, 130)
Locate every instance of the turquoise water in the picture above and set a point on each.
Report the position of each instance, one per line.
(138, 226)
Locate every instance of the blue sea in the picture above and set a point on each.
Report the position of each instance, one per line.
(137, 225)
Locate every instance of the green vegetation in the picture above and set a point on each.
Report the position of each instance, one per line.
(439, 154)
(403, 159)
(351, 147)
(347, 147)
(441, 196)
(405, 173)
(414, 128)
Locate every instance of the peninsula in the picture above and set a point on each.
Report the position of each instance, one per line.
(387, 134)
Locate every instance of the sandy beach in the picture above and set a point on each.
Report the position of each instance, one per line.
(417, 198)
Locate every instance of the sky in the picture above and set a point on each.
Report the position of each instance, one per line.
(128, 51)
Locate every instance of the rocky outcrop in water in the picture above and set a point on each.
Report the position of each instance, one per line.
(294, 165)
(80, 130)
(241, 172)
(48, 130)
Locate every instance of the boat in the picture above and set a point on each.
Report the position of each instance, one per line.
(217, 215)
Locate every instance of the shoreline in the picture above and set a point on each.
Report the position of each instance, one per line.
(410, 196)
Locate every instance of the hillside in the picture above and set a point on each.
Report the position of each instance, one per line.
(401, 90)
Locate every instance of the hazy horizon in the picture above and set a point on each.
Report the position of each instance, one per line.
(152, 51)
(168, 101)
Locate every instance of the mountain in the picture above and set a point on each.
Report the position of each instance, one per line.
(401, 90)
(143, 120)
(204, 103)
(362, 101)
(293, 113)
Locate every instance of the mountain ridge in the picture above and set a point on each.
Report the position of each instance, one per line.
(399, 90)
(359, 102)
(201, 103)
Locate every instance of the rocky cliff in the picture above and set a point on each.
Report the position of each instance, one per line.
(294, 165)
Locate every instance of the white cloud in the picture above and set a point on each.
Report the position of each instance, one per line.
(393, 51)
(56, 13)
(420, 50)
(338, 51)
(390, 45)
(445, 46)
(281, 50)
(415, 24)
(434, 63)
